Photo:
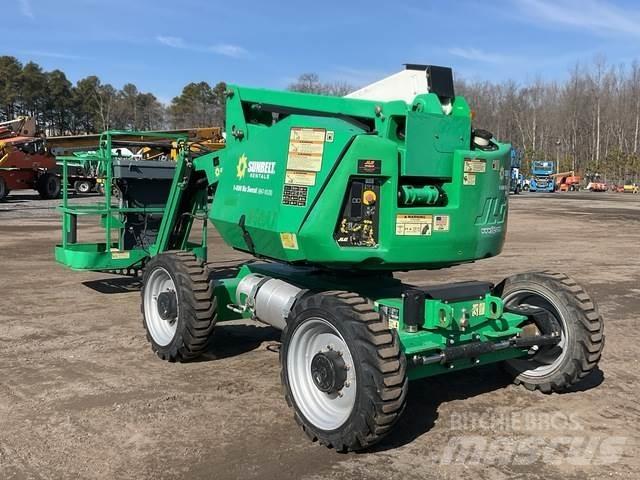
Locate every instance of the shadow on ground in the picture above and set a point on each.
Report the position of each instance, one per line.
(114, 285)
(232, 340)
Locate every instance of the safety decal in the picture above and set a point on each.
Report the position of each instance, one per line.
(289, 241)
(306, 146)
(469, 179)
(296, 177)
(414, 225)
(120, 255)
(475, 165)
(441, 223)
(392, 315)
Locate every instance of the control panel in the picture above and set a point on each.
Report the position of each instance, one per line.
(358, 223)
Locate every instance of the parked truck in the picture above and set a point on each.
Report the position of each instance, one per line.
(516, 179)
(542, 179)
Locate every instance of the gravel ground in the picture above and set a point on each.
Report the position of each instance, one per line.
(83, 396)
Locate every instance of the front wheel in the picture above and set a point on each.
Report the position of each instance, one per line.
(49, 186)
(178, 306)
(555, 368)
(343, 372)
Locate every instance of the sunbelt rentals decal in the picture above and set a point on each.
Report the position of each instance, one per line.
(246, 168)
(254, 169)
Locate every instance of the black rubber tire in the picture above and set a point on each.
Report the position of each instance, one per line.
(379, 363)
(48, 186)
(197, 305)
(581, 319)
(82, 186)
(4, 191)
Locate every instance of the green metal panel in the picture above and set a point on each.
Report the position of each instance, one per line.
(430, 141)
(252, 208)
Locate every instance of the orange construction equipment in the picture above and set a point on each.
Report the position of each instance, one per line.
(24, 162)
(567, 181)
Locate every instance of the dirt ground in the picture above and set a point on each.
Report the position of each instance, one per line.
(83, 396)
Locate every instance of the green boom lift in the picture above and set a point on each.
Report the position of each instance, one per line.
(332, 195)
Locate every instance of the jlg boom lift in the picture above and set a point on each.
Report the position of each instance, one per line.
(333, 195)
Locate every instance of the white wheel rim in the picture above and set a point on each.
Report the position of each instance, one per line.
(327, 411)
(83, 187)
(543, 363)
(162, 331)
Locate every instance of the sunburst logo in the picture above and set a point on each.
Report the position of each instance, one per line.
(241, 168)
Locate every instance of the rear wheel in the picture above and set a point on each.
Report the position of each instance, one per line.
(48, 186)
(556, 368)
(178, 306)
(4, 190)
(343, 372)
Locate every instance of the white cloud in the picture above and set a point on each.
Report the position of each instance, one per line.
(595, 15)
(25, 8)
(478, 55)
(48, 54)
(175, 42)
(225, 49)
(233, 51)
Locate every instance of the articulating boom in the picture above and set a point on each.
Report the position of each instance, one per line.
(334, 193)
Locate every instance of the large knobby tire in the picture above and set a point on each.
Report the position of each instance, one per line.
(178, 306)
(4, 190)
(360, 402)
(48, 186)
(555, 369)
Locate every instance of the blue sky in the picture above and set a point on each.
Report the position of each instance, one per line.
(162, 45)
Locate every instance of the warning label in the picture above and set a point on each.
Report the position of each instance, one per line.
(295, 177)
(469, 179)
(475, 166)
(414, 224)
(289, 241)
(120, 254)
(441, 223)
(306, 146)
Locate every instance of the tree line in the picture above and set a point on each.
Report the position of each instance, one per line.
(589, 123)
(90, 106)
